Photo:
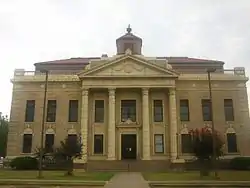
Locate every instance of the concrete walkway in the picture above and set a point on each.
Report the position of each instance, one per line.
(127, 180)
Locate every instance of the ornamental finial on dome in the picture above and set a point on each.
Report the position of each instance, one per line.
(129, 29)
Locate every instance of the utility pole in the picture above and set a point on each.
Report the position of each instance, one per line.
(209, 71)
(40, 175)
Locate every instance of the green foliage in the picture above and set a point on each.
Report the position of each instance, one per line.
(37, 152)
(69, 149)
(24, 163)
(203, 143)
(3, 134)
(240, 163)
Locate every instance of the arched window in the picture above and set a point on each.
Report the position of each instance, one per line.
(186, 141)
(49, 140)
(27, 143)
(27, 140)
(231, 140)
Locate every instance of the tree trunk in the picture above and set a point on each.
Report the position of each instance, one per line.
(70, 167)
(204, 168)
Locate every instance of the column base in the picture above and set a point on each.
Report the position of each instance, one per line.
(80, 164)
(111, 158)
(177, 161)
(146, 158)
(80, 161)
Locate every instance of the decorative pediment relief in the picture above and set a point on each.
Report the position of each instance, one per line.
(128, 65)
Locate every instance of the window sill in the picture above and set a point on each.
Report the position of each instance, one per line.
(159, 154)
(27, 154)
(158, 123)
(234, 153)
(98, 123)
(229, 122)
(98, 154)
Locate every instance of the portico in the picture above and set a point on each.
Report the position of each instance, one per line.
(129, 84)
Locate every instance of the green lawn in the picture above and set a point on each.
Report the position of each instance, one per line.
(56, 175)
(186, 176)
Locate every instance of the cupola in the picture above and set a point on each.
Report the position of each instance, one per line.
(129, 41)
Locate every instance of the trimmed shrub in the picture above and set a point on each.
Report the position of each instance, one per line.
(24, 163)
(240, 163)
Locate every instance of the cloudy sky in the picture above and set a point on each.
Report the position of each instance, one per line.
(40, 30)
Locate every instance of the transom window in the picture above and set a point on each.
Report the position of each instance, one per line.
(128, 110)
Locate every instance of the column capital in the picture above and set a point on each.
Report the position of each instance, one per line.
(111, 91)
(85, 91)
(171, 91)
(145, 91)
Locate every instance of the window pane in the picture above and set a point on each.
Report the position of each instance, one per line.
(231, 143)
(72, 138)
(49, 143)
(184, 110)
(159, 143)
(186, 143)
(30, 111)
(128, 110)
(206, 105)
(158, 111)
(51, 111)
(99, 111)
(73, 110)
(229, 109)
(27, 143)
(98, 144)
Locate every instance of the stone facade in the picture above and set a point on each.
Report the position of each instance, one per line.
(136, 77)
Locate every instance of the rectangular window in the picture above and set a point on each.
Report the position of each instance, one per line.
(186, 143)
(30, 111)
(99, 111)
(98, 144)
(128, 110)
(27, 143)
(73, 110)
(159, 143)
(49, 143)
(228, 109)
(158, 111)
(72, 138)
(231, 143)
(206, 109)
(184, 110)
(51, 111)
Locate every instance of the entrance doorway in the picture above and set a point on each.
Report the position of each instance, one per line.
(128, 146)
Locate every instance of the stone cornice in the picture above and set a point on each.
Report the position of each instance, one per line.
(218, 77)
(41, 78)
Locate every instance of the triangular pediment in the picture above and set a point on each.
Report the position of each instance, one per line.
(128, 65)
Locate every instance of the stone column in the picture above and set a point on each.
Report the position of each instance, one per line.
(145, 125)
(111, 125)
(173, 124)
(84, 125)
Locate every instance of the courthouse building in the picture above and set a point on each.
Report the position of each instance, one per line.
(129, 105)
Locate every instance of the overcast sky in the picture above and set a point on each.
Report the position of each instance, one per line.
(40, 30)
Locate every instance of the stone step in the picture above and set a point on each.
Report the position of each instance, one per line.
(132, 166)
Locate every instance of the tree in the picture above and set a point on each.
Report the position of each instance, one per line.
(202, 140)
(3, 134)
(69, 149)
